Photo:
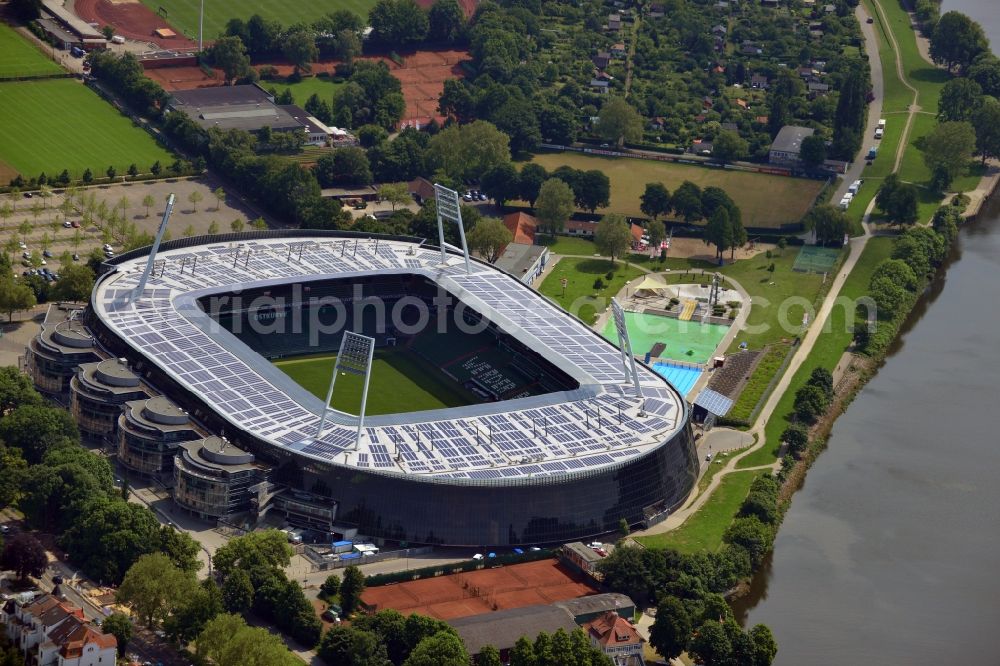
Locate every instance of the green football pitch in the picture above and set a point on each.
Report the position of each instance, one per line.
(59, 124)
(19, 57)
(400, 382)
(183, 14)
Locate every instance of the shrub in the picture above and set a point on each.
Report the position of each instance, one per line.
(598, 283)
(609, 276)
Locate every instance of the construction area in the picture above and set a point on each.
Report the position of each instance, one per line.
(484, 591)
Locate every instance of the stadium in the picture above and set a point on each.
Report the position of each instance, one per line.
(493, 417)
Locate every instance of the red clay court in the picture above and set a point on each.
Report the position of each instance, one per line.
(184, 78)
(484, 591)
(132, 19)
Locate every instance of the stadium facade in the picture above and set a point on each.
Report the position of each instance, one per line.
(556, 446)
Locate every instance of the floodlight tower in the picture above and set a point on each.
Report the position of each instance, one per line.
(449, 208)
(152, 254)
(201, 25)
(625, 347)
(354, 357)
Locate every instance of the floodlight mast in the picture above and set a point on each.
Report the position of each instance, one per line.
(355, 356)
(449, 207)
(152, 254)
(625, 346)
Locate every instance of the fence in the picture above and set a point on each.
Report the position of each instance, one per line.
(455, 568)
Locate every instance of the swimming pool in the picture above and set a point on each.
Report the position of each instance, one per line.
(685, 340)
(682, 377)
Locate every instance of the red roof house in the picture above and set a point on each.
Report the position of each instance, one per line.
(522, 226)
(617, 637)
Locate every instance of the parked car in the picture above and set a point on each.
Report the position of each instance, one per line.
(67, 224)
(76, 257)
(75, 224)
(28, 195)
(22, 245)
(477, 556)
(47, 254)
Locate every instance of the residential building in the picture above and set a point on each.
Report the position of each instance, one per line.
(522, 227)
(421, 190)
(49, 631)
(617, 637)
(601, 59)
(525, 262)
(759, 81)
(580, 556)
(618, 50)
(788, 143)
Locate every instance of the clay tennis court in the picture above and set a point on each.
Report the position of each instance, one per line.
(184, 78)
(484, 591)
(131, 19)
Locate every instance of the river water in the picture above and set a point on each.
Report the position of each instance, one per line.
(889, 553)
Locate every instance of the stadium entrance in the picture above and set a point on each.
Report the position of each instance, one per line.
(432, 350)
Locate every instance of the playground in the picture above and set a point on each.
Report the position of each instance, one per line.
(483, 591)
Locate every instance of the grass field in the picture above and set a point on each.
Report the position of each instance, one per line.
(703, 531)
(765, 201)
(61, 124)
(399, 383)
(19, 57)
(302, 90)
(829, 347)
(581, 298)
(183, 14)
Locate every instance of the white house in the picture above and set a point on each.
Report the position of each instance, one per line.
(53, 632)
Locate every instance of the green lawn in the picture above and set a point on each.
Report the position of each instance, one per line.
(399, 382)
(19, 57)
(703, 531)
(60, 124)
(581, 299)
(779, 299)
(305, 88)
(183, 14)
(756, 194)
(830, 346)
(754, 389)
(568, 245)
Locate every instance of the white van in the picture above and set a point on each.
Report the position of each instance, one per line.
(879, 133)
(854, 187)
(117, 39)
(881, 123)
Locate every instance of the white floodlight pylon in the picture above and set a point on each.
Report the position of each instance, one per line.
(449, 207)
(354, 357)
(625, 347)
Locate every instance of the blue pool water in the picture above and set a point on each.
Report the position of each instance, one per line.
(682, 378)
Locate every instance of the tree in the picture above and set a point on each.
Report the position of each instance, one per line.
(488, 238)
(985, 71)
(398, 22)
(348, 646)
(237, 592)
(764, 646)
(228, 641)
(657, 232)
(554, 205)
(446, 22)
(331, 586)
(266, 548)
(591, 190)
(904, 205)
(154, 586)
(618, 122)
(230, 55)
(729, 146)
(687, 201)
(299, 47)
(371, 135)
(613, 236)
(16, 389)
(960, 98)
(466, 152)
(711, 645)
(344, 167)
(813, 151)
(194, 198)
(220, 196)
(829, 223)
(75, 284)
(796, 436)
(88, 176)
(752, 535)
(25, 556)
(810, 403)
(947, 149)
(530, 182)
(397, 194)
(34, 429)
(671, 631)
(111, 171)
(986, 124)
(190, 618)
(655, 200)
(148, 201)
(346, 47)
(442, 649)
(351, 588)
(488, 656)
(719, 232)
(501, 183)
(957, 41)
(26, 10)
(120, 626)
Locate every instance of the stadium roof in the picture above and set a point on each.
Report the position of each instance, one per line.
(552, 435)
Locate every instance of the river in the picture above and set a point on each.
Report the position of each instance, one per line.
(888, 554)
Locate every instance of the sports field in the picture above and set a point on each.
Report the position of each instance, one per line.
(399, 383)
(766, 201)
(302, 90)
(183, 14)
(19, 57)
(61, 124)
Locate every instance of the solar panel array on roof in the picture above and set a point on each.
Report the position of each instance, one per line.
(714, 402)
(534, 440)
